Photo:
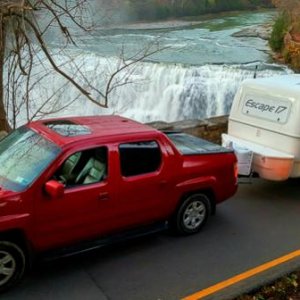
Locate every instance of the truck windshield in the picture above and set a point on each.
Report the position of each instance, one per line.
(24, 155)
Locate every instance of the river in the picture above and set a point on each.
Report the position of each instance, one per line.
(196, 76)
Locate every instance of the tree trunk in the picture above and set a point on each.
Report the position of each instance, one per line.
(3, 117)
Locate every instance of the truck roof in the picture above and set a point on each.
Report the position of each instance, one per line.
(286, 85)
(67, 130)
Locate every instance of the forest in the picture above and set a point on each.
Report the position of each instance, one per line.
(162, 9)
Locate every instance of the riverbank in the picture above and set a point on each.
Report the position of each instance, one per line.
(165, 9)
(289, 55)
(262, 31)
(185, 21)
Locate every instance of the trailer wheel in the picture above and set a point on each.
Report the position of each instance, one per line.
(192, 214)
(12, 264)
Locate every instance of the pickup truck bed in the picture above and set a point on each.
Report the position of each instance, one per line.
(190, 145)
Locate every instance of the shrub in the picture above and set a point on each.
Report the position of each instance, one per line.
(162, 12)
(279, 30)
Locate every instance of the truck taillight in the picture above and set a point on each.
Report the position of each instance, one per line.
(236, 172)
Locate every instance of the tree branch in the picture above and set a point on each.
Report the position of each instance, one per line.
(56, 68)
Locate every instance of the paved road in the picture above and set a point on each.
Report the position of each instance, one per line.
(261, 223)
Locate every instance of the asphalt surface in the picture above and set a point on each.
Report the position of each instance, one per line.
(261, 223)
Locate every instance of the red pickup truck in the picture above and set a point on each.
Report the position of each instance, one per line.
(87, 181)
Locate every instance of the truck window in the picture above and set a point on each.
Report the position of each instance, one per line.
(84, 167)
(139, 158)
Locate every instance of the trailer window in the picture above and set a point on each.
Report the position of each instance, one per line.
(139, 158)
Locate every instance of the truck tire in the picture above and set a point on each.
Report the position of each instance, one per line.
(192, 214)
(12, 264)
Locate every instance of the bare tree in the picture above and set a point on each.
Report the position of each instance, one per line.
(24, 25)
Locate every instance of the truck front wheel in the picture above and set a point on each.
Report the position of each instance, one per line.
(192, 214)
(12, 264)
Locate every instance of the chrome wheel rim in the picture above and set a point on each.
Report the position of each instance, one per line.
(194, 215)
(7, 267)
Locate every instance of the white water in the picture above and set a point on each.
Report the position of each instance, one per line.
(197, 77)
(165, 92)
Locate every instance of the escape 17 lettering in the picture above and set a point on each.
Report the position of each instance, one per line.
(265, 107)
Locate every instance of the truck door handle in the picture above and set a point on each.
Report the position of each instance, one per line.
(103, 196)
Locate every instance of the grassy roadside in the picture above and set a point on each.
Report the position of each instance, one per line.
(285, 288)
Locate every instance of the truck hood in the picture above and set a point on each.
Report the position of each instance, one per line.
(6, 195)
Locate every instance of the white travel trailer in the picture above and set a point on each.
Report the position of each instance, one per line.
(264, 127)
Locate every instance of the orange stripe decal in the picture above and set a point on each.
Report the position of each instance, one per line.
(233, 280)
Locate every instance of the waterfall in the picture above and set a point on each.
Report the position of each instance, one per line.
(174, 92)
(155, 91)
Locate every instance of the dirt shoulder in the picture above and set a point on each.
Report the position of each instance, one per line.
(285, 288)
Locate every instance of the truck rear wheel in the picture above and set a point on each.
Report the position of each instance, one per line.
(12, 264)
(192, 214)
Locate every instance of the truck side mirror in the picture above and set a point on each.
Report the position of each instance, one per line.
(54, 189)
